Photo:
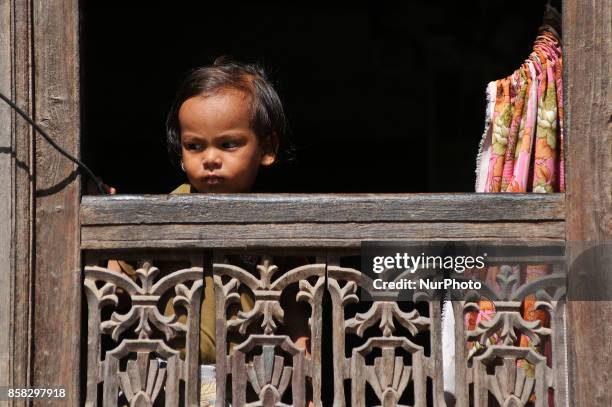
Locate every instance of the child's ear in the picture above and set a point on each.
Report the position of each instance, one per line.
(268, 159)
(270, 148)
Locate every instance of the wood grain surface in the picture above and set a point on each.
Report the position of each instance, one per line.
(57, 284)
(319, 208)
(587, 31)
(17, 197)
(307, 235)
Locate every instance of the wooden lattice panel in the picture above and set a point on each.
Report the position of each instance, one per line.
(387, 353)
(390, 374)
(267, 368)
(496, 367)
(140, 365)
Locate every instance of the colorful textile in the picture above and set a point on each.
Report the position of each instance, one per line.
(519, 80)
(522, 145)
(485, 143)
(522, 151)
(545, 168)
(502, 118)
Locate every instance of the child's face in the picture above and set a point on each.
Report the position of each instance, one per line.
(220, 151)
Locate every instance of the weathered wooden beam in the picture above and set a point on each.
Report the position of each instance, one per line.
(587, 34)
(6, 196)
(308, 235)
(57, 286)
(16, 197)
(282, 208)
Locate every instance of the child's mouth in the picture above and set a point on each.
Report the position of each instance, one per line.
(212, 180)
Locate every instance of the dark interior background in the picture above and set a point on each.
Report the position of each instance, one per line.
(381, 96)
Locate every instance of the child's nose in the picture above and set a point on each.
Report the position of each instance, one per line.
(211, 160)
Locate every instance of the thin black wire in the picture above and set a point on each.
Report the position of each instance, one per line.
(75, 160)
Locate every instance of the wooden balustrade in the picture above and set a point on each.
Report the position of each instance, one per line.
(289, 251)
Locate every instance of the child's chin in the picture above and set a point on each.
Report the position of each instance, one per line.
(222, 186)
(214, 188)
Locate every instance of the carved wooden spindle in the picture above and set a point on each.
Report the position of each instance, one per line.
(389, 376)
(510, 383)
(269, 373)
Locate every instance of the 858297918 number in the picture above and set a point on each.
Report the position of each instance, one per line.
(11, 393)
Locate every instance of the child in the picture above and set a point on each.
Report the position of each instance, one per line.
(226, 122)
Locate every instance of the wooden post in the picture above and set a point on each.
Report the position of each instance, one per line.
(16, 196)
(587, 43)
(5, 196)
(57, 282)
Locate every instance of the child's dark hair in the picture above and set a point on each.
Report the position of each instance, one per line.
(267, 116)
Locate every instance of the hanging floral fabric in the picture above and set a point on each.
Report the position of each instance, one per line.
(522, 151)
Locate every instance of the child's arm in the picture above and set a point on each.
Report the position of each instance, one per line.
(92, 189)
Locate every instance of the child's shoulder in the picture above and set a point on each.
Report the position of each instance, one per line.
(184, 189)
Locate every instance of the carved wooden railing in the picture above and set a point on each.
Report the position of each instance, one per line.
(502, 371)
(383, 353)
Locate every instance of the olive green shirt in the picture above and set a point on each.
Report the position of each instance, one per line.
(207, 310)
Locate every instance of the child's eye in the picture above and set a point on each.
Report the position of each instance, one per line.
(228, 145)
(194, 146)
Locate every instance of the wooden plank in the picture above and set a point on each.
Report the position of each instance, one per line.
(321, 208)
(559, 341)
(16, 197)
(588, 54)
(192, 340)
(307, 234)
(6, 194)
(57, 292)
(91, 375)
(342, 365)
(23, 209)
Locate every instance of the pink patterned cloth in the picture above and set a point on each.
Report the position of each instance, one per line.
(522, 151)
(522, 146)
(519, 87)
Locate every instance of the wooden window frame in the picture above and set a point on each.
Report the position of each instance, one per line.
(42, 238)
